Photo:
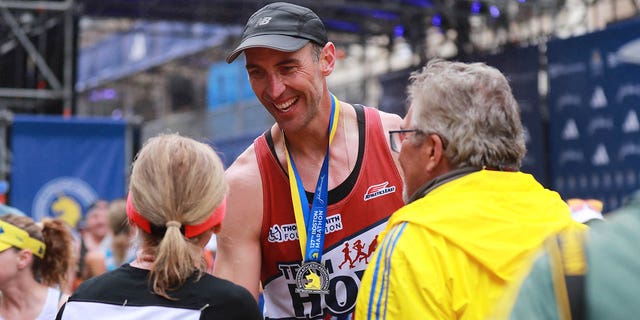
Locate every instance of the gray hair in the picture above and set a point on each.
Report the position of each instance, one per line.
(471, 107)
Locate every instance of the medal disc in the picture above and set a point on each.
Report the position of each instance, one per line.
(312, 277)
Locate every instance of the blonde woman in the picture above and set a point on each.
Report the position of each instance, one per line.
(34, 264)
(176, 201)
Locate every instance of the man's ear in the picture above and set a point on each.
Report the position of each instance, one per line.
(435, 152)
(328, 58)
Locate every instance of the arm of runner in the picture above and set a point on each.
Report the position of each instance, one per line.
(391, 121)
(238, 256)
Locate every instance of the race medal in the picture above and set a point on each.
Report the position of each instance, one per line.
(312, 277)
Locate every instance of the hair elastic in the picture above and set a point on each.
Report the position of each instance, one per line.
(188, 231)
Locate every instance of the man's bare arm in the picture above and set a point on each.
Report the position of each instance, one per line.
(238, 256)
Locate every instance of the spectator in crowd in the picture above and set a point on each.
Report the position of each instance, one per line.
(121, 247)
(587, 211)
(343, 170)
(93, 233)
(176, 201)
(587, 275)
(96, 225)
(472, 220)
(34, 259)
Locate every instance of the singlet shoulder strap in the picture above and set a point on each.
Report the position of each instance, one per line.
(341, 191)
(568, 268)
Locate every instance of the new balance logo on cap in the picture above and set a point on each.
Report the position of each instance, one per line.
(262, 21)
(281, 26)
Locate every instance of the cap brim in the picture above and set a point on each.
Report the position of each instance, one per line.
(272, 41)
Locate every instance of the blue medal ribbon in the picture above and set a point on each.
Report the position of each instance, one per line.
(310, 222)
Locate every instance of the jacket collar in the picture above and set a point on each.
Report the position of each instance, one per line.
(440, 180)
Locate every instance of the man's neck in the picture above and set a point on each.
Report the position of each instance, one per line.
(312, 140)
(308, 152)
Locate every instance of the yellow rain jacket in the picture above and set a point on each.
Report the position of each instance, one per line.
(451, 253)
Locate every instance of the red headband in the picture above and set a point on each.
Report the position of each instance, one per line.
(189, 231)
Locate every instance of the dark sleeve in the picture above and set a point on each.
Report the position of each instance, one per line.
(249, 308)
(238, 304)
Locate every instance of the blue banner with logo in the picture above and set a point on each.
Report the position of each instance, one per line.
(61, 166)
(594, 102)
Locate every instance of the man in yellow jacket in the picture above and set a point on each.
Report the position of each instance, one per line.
(472, 221)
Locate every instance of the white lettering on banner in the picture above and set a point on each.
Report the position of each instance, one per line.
(568, 100)
(600, 157)
(631, 123)
(627, 90)
(289, 232)
(571, 156)
(570, 131)
(630, 52)
(600, 123)
(561, 69)
(628, 150)
(598, 99)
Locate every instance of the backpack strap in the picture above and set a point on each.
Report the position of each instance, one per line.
(568, 268)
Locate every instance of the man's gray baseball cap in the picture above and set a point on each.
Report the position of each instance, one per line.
(281, 26)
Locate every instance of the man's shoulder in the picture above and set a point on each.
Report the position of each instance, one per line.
(243, 167)
(390, 119)
(244, 160)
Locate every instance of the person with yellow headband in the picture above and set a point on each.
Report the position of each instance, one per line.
(34, 264)
(176, 201)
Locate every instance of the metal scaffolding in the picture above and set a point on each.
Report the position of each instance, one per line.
(60, 87)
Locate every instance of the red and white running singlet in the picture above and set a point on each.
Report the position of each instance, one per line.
(357, 212)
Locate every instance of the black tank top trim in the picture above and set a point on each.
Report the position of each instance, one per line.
(340, 192)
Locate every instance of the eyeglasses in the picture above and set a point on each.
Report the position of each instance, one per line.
(396, 137)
